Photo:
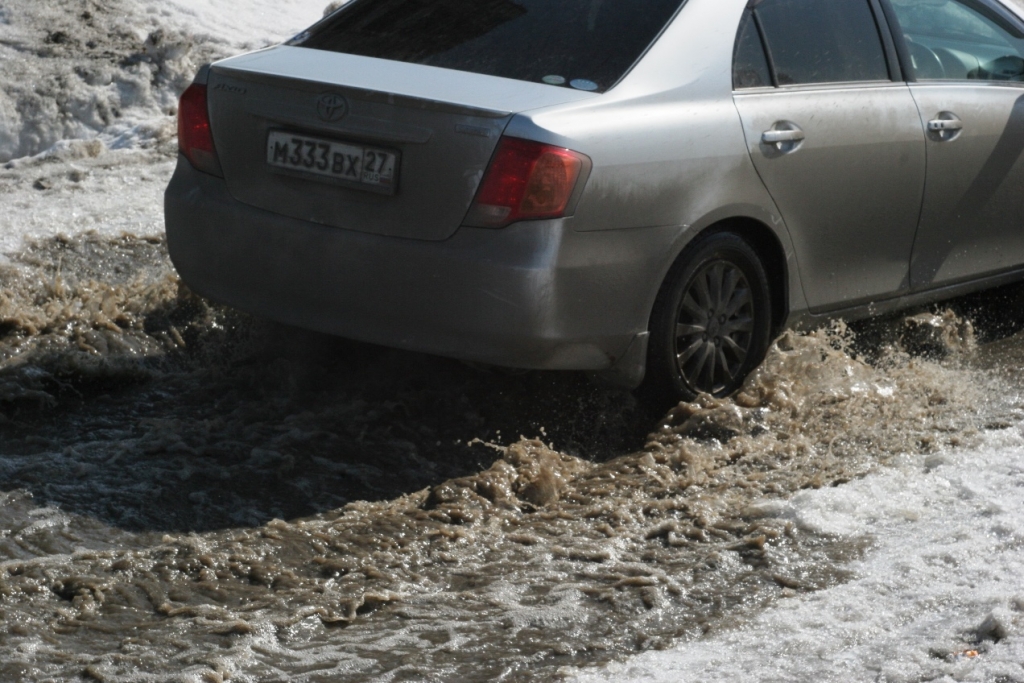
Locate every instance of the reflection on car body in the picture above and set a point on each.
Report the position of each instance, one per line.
(650, 190)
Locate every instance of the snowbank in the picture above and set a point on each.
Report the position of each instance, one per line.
(114, 70)
(88, 100)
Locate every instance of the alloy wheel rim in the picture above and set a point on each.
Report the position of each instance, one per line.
(714, 327)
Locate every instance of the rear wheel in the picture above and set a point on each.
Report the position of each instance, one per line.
(711, 323)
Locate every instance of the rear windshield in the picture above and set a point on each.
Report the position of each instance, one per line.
(583, 44)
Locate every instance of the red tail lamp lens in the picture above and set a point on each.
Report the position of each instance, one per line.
(526, 180)
(195, 139)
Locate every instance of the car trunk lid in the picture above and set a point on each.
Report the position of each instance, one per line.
(441, 125)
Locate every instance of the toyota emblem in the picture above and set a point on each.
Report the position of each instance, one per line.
(331, 107)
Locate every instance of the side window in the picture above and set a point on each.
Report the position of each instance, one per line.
(750, 64)
(822, 41)
(960, 40)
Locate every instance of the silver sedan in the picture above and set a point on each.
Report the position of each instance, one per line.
(635, 187)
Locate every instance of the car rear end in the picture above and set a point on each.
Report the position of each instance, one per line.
(345, 185)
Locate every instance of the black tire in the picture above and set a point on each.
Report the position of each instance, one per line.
(712, 320)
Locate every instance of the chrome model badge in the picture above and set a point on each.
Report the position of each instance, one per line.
(331, 107)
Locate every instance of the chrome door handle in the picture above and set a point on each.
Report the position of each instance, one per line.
(945, 124)
(774, 137)
(785, 136)
(945, 127)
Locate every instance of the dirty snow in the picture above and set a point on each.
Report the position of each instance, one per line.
(88, 98)
(940, 595)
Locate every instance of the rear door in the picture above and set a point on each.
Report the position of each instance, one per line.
(836, 137)
(968, 58)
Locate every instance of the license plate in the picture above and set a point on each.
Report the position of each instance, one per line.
(370, 167)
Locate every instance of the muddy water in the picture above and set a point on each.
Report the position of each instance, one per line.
(190, 494)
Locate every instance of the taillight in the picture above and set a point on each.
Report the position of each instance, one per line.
(195, 139)
(526, 180)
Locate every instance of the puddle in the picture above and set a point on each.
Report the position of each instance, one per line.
(192, 494)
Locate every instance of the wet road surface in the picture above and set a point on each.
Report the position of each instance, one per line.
(187, 493)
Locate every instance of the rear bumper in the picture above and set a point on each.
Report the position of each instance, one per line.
(533, 295)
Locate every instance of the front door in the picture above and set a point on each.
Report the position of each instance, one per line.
(836, 137)
(968, 56)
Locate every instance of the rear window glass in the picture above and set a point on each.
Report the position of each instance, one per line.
(750, 65)
(584, 44)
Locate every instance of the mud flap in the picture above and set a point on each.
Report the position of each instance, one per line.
(628, 371)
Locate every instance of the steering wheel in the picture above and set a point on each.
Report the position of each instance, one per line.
(927, 64)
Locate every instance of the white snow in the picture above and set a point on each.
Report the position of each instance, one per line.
(246, 24)
(945, 573)
(88, 103)
(112, 194)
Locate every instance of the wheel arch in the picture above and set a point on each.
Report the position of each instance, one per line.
(769, 248)
(754, 224)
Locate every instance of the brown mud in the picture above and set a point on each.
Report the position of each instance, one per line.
(190, 494)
